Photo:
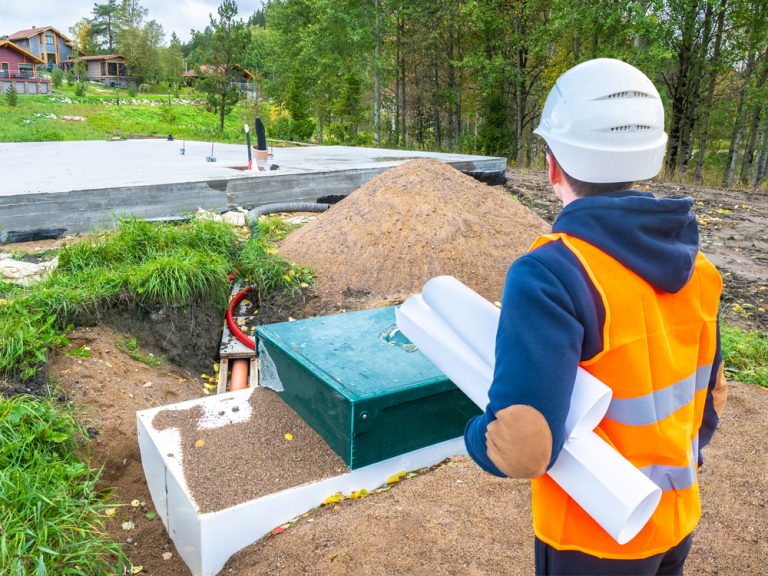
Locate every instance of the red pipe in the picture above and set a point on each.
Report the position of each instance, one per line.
(233, 327)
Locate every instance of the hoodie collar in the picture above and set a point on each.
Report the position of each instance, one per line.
(657, 238)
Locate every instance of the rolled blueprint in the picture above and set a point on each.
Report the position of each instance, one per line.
(456, 329)
(610, 489)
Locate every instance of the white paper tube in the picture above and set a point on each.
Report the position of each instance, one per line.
(611, 490)
(450, 323)
(468, 313)
(589, 403)
(445, 349)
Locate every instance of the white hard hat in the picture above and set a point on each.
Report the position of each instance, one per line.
(604, 121)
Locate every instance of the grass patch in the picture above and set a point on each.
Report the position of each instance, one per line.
(259, 263)
(148, 263)
(745, 355)
(25, 338)
(39, 117)
(131, 347)
(51, 513)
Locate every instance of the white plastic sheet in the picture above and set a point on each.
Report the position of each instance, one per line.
(456, 329)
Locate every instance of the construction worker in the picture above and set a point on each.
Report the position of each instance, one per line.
(620, 289)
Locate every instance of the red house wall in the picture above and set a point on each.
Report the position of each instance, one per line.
(14, 58)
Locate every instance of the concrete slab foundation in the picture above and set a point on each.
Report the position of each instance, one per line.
(49, 189)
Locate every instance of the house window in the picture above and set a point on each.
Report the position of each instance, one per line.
(49, 39)
(112, 69)
(122, 70)
(4, 70)
(103, 69)
(26, 71)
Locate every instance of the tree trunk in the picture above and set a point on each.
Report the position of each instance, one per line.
(680, 88)
(754, 127)
(762, 157)
(738, 125)
(377, 78)
(706, 107)
(401, 69)
(694, 90)
(221, 110)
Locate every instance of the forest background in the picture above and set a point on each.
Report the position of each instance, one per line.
(469, 75)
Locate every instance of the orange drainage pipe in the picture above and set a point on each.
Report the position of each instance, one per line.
(239, 376)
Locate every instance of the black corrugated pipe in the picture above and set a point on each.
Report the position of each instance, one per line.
(261, 134)
(286, 207)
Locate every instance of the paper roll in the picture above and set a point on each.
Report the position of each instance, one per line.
(456, 329)
(589, 403)
(468, 313)
(445, 349)
(610, 489)
(435, 321)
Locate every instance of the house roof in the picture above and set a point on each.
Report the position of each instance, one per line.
(207, 69)
(24, 34)
(12, 46)
(100, 57)
(97, 57)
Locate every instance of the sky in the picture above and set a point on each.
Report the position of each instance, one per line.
(178, 16)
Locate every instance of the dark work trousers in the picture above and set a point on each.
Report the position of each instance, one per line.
(553, 562)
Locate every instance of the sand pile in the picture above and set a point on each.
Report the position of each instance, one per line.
(411, 223)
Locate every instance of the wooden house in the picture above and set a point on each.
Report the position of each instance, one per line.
(108, 69)
(46, 43)
(19, 68)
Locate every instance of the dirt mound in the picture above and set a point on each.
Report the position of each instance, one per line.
(411, 223)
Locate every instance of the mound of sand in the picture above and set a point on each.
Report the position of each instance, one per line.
(411, 223)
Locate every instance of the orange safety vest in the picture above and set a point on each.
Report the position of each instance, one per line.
(658, 350)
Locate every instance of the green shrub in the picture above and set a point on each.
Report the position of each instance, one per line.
(70, 78)
(51, 511)
(12, 96)
(57, 77)
(80, 89)
(132, 90)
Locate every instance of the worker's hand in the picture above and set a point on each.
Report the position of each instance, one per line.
(519, 442)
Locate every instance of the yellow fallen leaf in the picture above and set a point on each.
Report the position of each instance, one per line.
(110, 512)
(333, 499)
(354, 495)
(286, 278)
(200, 443)
(288, 436)
(137, 569)
(395, 478)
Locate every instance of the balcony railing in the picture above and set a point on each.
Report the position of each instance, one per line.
(18, 75)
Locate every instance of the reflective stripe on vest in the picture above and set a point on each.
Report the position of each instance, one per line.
(657, 356)
(674, 477)
(658, 405)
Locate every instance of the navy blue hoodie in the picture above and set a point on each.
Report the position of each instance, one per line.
(552, 317)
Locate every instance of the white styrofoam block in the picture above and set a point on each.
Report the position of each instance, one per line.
(206, 541)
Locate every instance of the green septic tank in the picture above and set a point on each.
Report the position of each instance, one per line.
(361, 384)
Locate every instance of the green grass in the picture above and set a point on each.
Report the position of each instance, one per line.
(745, 355)
(149, 264)
(25, 338)
(105, 119)
(259, 263)
(131, 347)
(51, 513)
